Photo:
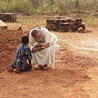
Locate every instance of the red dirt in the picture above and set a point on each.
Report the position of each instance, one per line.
(75, 75)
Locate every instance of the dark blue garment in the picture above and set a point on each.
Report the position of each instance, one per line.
(22, 56)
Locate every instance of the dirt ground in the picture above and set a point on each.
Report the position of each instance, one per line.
(76, 69)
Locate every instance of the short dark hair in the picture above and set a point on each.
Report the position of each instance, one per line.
(34, 32)
(25, 39)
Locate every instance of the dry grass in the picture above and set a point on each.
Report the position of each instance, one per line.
(29, 22)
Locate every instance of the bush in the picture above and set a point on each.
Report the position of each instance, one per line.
(16, 6)
(32, 6)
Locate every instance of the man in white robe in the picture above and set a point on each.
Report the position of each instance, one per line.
(42, 44)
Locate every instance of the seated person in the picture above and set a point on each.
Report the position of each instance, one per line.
(22, 61)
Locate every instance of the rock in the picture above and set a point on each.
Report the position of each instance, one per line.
(2, 25)
(81, 30)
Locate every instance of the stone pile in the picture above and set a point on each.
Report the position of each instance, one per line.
(8, 17)
(65, 24)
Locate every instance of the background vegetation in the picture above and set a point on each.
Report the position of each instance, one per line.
(48, 6)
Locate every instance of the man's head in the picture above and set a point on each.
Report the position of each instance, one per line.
(36, 33)
(25, 39)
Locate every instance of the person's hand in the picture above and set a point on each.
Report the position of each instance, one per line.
(45, 45)
(34, 49)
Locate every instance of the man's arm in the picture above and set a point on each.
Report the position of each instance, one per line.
(45, 45)
(39, 47)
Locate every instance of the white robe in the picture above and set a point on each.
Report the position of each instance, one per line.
(47, 55)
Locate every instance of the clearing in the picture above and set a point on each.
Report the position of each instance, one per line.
(76, 72)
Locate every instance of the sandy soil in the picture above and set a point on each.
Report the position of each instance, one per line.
(75, 75)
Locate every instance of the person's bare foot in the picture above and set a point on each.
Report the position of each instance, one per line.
(17, 69)
(10, 68)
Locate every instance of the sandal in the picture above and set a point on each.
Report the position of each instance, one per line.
(39, 67)
(45, 67)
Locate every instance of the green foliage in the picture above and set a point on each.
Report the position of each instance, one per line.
(37, 6)
(49, 1)
(47, 5)
(15, 6)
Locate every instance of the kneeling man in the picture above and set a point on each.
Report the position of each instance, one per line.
(42, 44)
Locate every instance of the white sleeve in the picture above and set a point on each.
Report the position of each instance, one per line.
(47, 35)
